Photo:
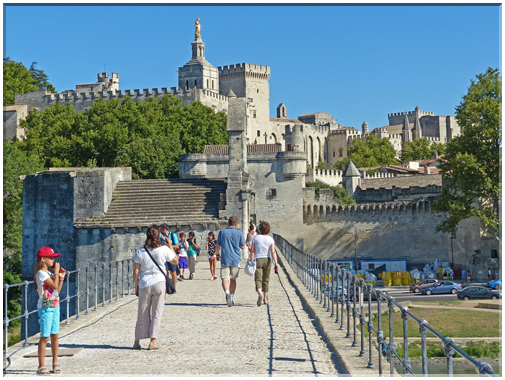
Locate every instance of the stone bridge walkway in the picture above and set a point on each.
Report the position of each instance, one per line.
(199, 335)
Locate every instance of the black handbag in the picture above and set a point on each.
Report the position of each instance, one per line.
(170, 287)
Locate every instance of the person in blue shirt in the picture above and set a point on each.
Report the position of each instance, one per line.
(170, 239)
(230, 243)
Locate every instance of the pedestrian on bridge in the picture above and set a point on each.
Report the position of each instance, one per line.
(48, 305)
(192, 253)
(170, 239)
(150, 285)
(263, 250)
(229, 243)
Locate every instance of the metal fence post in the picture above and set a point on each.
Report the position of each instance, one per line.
(96, 287)
(370, 329)
(354, 311)
(68, 302)
(337, 275)
(332, 289)
(78, 293)
(103, 285)
(6, 321)
(380, 333)
(362, 318)
(26, 314)
(110, 283)
(117, 280)
(391, 344)
(348, 304)
(122, 278)
(424, 350)
(323, 281)
(87, 292)
(406, 361)
(342, 299)
(449, 352)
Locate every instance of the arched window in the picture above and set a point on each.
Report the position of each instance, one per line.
(187, 83)
(333, 153)
(212, 84)
(207, 83)
(340, 152)
(196, 83)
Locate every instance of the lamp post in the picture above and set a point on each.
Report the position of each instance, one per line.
(453, 236)
(355, 249)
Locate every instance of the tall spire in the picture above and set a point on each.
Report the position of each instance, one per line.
(406, 132)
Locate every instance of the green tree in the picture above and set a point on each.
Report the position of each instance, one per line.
(471, 164)
(338, 192)
(148, 136)
(41, 80)
(17, 80)
(321, 165)
(372, 152)
(15, 164)
(419, 149)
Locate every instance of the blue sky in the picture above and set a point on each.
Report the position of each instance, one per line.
(356, 62)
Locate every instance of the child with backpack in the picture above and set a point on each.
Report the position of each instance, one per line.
(48, 287)
(183, 256)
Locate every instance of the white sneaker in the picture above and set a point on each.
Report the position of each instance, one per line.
(229, 302)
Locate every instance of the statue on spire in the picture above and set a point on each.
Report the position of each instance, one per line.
(197, 29)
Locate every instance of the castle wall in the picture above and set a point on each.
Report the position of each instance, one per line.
(330, 177)
(399, 117)
(12, 116)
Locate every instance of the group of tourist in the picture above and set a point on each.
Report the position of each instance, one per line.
(163, 254)
(162, 247)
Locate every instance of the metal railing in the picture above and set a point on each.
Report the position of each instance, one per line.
(338, 290)
(103, 277)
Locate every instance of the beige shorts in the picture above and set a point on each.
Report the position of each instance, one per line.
(229, 272)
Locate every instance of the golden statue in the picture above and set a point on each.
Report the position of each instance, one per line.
(197, 29)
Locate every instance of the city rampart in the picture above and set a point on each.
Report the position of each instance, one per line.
(329, 177)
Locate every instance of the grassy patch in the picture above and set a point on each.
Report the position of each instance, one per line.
(436, 350)
(448, 322)
(14, 335)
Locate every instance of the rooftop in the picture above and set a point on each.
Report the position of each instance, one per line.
(402, 182)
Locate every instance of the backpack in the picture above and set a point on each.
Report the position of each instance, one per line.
(172, 236)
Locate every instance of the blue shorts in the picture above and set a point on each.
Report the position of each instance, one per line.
(183, 262)
(49, 321)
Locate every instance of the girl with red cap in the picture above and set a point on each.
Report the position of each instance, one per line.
(48, 287)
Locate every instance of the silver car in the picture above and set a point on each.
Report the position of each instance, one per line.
(442, 287)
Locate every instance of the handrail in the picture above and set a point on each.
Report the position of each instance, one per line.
(327, 283)
(120, 278)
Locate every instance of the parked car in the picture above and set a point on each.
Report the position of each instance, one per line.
(478, 293)
(442, 287)
(416, 288)
(495, 284)
(328, 291)
(365, 295)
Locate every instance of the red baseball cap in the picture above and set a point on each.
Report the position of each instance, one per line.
(47, 252)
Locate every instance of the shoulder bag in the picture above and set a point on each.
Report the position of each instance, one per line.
(170, 287)
(250, 267)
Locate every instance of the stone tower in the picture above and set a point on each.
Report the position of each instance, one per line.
(351, 179)
(406, 132)
(364, 128)
(250, 81)
(417, 133)
(294, 138)
(282, 111)
(198, 72)
(237, 192)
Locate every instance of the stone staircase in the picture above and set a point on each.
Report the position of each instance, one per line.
(141, 203)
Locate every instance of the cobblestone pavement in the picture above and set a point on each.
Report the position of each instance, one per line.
(199, 335)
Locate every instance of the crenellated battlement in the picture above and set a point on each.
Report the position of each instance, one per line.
(243, 68)
(421, 113)
(432, 139)
(329, 177)
(73, 96)
(377, 175)
(325, 209)
(345, 131)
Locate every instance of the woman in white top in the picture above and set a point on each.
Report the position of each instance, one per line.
(150, 286)
(263, 250)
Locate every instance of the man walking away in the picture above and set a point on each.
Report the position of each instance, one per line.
(170, 239)
(230, 242)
